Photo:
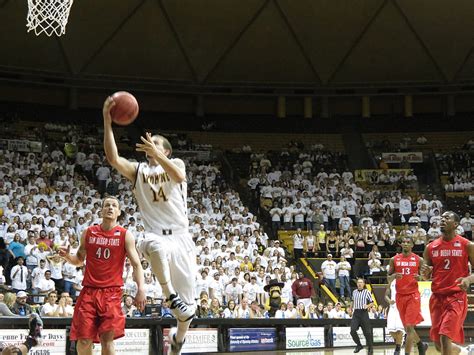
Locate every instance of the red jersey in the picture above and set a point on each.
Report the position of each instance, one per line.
(409, 267)
(105, 257)
(450, 261)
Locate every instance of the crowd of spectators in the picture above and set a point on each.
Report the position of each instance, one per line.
(47, 199)
(457, 168)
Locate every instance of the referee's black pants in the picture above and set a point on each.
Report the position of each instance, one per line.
(360, 318)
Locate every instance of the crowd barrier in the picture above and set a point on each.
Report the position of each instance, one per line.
(206, 335)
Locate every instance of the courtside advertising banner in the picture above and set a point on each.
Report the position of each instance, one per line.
(54, 340)
(252, 339)
(305, 338)
(201, 341)
(425, 293)
(135, 341)
(342, 336)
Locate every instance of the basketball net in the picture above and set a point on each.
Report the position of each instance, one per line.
(48, 16)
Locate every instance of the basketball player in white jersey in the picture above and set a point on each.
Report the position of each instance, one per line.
(161, 192)
(394, 323)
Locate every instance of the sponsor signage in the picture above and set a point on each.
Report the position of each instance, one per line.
(54, 340)
(135, 341)
(425, 293)
(197, 341)
(367, 174)
(397, 157)
(305, 338)
(252, 339)
(342, 336)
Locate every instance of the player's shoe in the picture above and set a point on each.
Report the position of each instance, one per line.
(422, 347)
(174, 347)
(35, 325)
(181, 310)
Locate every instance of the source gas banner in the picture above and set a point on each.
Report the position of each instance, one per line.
(305, 338)
(252, 339)
(397, 157)
(342, 336)
(54, 340)
(425, 293)
(200, 341)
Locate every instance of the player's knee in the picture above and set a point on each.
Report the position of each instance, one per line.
(83, 344)
(444, 340)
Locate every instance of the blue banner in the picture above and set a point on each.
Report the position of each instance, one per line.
(251, 339)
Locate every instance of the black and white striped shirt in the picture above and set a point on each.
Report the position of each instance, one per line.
(361, 298)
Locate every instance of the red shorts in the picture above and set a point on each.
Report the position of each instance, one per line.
(448, 313)
(98, 310)
(409, 308)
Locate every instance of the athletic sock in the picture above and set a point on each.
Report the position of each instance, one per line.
(397, 347)
(30, 342)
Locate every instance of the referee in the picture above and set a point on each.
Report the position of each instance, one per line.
(362, 299)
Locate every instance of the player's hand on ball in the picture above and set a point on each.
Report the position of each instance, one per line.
(108, 104)
(463, 283)
(392, 301)
(140, 300)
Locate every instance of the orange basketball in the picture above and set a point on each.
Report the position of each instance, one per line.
(125, 110)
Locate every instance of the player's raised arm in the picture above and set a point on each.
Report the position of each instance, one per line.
(78, 259)
(122, 165)
(132, 254)
(153, 148)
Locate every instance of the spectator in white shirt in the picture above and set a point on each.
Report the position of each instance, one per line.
(18, 275)
(291, 312)
(234, 291)
(337, 312)
(467, 222)
(46, 285)
(328, 267)
(343, 269)
(51, 309)
(298, 240)
(405, 209)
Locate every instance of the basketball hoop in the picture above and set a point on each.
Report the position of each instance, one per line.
(48, 16)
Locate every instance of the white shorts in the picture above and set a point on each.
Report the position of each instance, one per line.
(394, 323)
(180, 251)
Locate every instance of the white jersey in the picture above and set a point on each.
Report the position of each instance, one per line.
(394, 323)
(162, 201)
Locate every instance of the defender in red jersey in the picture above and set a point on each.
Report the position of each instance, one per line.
(405, 267)
(98, 314)
(447, 262)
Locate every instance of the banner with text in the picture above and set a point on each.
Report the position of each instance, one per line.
(341, 336)
(397, 157)
(135, 341)
(425, 293)
(17, 145)
(369, 175)
(305, 338)
(252, 339)
(54, 340)
(200, 341)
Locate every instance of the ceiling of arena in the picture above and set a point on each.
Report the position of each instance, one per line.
(307, 43)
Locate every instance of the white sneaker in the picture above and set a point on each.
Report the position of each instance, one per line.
(174, 347)
(181, 310)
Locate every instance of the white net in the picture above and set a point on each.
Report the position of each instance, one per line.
(48, 16)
